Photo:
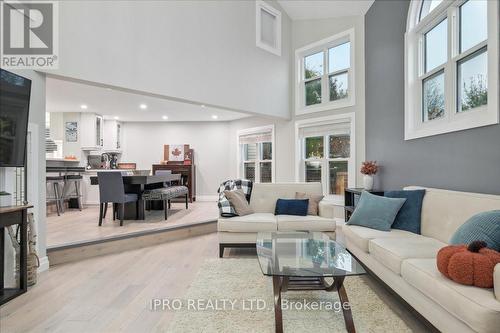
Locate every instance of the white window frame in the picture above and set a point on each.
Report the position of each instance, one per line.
(258, 160)
(323, 46)
(452, 121)
(300, 151)
(259, 7)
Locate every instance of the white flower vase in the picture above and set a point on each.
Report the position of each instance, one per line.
(368, 182)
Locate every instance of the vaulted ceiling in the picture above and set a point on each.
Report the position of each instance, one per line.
(310, 10)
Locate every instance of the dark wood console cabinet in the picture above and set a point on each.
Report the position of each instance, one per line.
(188, 175)
(10, 216)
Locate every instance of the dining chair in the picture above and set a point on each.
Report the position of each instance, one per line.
(112, 190)
(162, 173)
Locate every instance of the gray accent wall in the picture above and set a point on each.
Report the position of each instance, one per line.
(465, 161)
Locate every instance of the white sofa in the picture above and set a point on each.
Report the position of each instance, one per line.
(406, 262)
(241, 231)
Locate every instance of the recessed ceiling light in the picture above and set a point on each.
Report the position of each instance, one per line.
(116, 117)
(143, 106)
(164, 117)
(203, 105)
(214, 116)
(84, 106)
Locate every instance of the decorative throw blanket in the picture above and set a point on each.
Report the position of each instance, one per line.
(225, 207)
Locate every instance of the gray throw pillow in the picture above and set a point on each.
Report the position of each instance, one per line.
(314, 200)
(238, 200)
(376, 212)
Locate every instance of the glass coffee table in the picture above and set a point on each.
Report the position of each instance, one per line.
(302, 261)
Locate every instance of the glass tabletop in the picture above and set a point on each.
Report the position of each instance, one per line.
(304, 254)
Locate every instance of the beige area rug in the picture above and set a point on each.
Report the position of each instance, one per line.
(242, 280)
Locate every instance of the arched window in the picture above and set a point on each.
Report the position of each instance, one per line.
(427, 7)
(451, 66)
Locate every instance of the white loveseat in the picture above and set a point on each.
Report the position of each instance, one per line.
(406, 262)
(241, 231)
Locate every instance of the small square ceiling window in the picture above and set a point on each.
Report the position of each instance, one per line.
(268, 28)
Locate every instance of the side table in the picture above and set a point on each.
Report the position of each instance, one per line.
(14, 215)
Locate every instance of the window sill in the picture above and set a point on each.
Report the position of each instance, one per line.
(335, 200)
(483, 116)
(325, 107)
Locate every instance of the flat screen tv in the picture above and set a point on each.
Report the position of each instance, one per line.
(15, 93)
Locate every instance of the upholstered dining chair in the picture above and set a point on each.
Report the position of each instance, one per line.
(164, 172)
(112, 190)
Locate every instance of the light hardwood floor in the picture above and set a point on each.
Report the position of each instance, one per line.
(76, 226)
(112, 293)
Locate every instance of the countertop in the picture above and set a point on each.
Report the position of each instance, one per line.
(53, 159)
(94, 171)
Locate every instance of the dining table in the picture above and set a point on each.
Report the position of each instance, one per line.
(136, 183)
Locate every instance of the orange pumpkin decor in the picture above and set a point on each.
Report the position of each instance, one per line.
(472, 265)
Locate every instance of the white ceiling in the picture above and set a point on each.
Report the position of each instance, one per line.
(68, 96)
(309, 10)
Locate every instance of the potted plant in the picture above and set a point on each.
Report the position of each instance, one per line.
(368, 169)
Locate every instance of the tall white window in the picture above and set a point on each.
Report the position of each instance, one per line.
(451, 66)
(325, 74)
(325, 150)
(256, 154)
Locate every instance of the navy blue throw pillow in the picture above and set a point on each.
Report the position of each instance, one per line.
(291, 207)
(409, 215)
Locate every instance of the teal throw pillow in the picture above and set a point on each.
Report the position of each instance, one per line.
(484, 226)
(376, 212)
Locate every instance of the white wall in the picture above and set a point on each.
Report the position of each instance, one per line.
(305, 32)
(215, 146)
(36, 194)
(56, 125)
(203, 51)
(73, 148)
(144, 145)
(58, 132)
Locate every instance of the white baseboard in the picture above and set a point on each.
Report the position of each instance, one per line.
(44, 264)
(213, 198)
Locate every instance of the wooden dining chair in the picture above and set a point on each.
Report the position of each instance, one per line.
(112, 190)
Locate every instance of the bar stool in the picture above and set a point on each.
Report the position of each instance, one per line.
(55, 182)
(76, 193)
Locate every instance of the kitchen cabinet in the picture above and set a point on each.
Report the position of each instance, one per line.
(99, 131)
(113, 135)
(90, 192)
(92, 131)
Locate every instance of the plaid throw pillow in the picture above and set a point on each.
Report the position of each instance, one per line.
(225, 207)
